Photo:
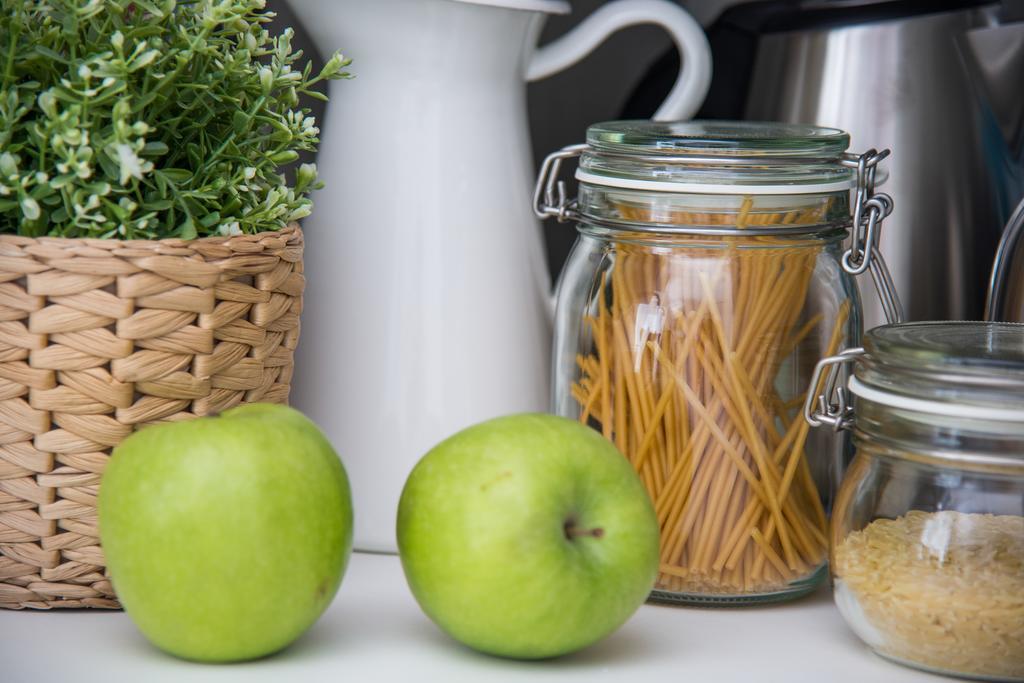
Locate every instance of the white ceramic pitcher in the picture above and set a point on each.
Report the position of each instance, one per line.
(427, 299)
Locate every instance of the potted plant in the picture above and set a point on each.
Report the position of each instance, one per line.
(150, 264)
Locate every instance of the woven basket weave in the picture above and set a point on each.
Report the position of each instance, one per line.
(99, 337)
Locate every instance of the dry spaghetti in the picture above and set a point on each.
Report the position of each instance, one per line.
(688, 347)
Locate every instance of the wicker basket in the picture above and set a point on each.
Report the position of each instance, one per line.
(99, 337)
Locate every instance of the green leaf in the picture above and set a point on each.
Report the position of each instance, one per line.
(240, 121)
(210, 219)
(284, 157)
(155, 148)
(42, 191)
(51, 55)
(195, 155)
(232, 206)
(150, 7)
(161, 184)
(62, 180)
(110, 169)
(99, 188)
(187, 230)
(176, 175)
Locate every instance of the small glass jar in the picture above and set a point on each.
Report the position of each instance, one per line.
(928, 525)
(705, 284)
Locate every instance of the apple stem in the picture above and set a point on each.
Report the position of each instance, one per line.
(572, 531)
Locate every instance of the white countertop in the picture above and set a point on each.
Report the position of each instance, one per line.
(374, 631)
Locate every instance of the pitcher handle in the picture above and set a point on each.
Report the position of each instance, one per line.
(694, 78)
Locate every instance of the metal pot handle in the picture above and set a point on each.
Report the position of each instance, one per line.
(997, 284)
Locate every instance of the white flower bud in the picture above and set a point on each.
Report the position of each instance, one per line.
(8, 164)
(335, 64)
(48, 103)
(131, 166)
(145, 59)
(266, 79)
(306, 175)
(30, 208)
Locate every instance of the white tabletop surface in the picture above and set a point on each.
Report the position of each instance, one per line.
(374, 631)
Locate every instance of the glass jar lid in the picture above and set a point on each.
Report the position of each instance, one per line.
(716, 157)
(972, 370)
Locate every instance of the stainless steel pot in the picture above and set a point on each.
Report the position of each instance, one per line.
(932, 88)
(939, 83)
(1006, 288)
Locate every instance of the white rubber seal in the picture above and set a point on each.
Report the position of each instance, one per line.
(918, 405)
(711, 188)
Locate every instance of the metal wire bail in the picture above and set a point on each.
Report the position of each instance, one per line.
(869, 210)
(549, 196)
(830, 405)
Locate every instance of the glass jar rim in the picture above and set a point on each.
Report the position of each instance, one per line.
(716, 157)
(726, 139)
(980, 354)
(962, 378)
(968, 375)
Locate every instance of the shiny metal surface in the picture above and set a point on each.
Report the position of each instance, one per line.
(831, 405)
(943, 91)
(1006, 288)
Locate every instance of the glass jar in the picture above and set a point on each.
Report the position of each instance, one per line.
(928, 526)
(705, 284)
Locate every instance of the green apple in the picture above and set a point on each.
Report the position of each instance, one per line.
(226, 537)
(527, 536)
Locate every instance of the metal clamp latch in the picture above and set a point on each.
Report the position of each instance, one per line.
(833, 403)
(549, 198)
(870, 208)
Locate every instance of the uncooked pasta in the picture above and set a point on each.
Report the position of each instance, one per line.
(943, 590)
(688, 345)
